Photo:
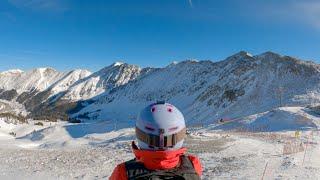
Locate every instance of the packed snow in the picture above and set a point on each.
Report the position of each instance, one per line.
(90, 150)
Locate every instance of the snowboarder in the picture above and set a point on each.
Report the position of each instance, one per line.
(160, 132)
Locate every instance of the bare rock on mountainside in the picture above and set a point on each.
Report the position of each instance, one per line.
(8, 95)
(13, 118)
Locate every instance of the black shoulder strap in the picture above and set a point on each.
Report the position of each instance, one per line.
(185, 170)
(135, 169)
(186, 165)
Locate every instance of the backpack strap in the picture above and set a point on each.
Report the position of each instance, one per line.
(186, 166)
(135, 169)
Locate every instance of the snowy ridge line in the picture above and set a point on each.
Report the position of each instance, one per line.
(205, 91)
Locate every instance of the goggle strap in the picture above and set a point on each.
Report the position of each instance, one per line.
(154, 140)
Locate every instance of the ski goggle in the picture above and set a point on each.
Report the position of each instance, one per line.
(160, 141)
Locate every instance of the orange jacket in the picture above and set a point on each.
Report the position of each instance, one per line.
(156, 160)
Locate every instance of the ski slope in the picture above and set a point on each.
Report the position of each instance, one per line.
(90, 150)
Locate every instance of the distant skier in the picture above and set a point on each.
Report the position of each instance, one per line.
(160, 132)
(221, 120)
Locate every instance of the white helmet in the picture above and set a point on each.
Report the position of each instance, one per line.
(160, 126)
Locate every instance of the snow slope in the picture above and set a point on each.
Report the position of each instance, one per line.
(103, 80)
(278, 119)
(206, 91)
(91, 150)
(68, 80)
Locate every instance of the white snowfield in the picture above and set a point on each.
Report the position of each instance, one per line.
(260, 146)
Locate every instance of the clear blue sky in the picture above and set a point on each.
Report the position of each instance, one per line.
(67, 34)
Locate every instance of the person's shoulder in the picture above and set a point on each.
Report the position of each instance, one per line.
(196, 163)
(119, 173)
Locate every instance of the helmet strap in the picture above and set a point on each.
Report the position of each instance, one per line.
(161, 138)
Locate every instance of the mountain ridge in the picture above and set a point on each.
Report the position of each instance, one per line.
(205, 90)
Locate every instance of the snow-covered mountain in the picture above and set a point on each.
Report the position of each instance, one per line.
(204, 90)
(45, 88)
(103, 80)
(68, 80)
(37, 79)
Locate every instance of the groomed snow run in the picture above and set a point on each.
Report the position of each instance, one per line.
(91, 150)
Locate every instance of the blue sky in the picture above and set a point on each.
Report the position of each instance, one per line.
(91, 34)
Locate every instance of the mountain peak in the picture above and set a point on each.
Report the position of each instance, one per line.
(44, 69)
(269, 54)
(188, 61)
(12, 71)
(173, 63)
(243, 54)
(118, 63)
(240, 56)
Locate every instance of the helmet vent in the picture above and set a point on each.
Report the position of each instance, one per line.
(173, 129)
(149, 128)
(169, 109)
(161, 102)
